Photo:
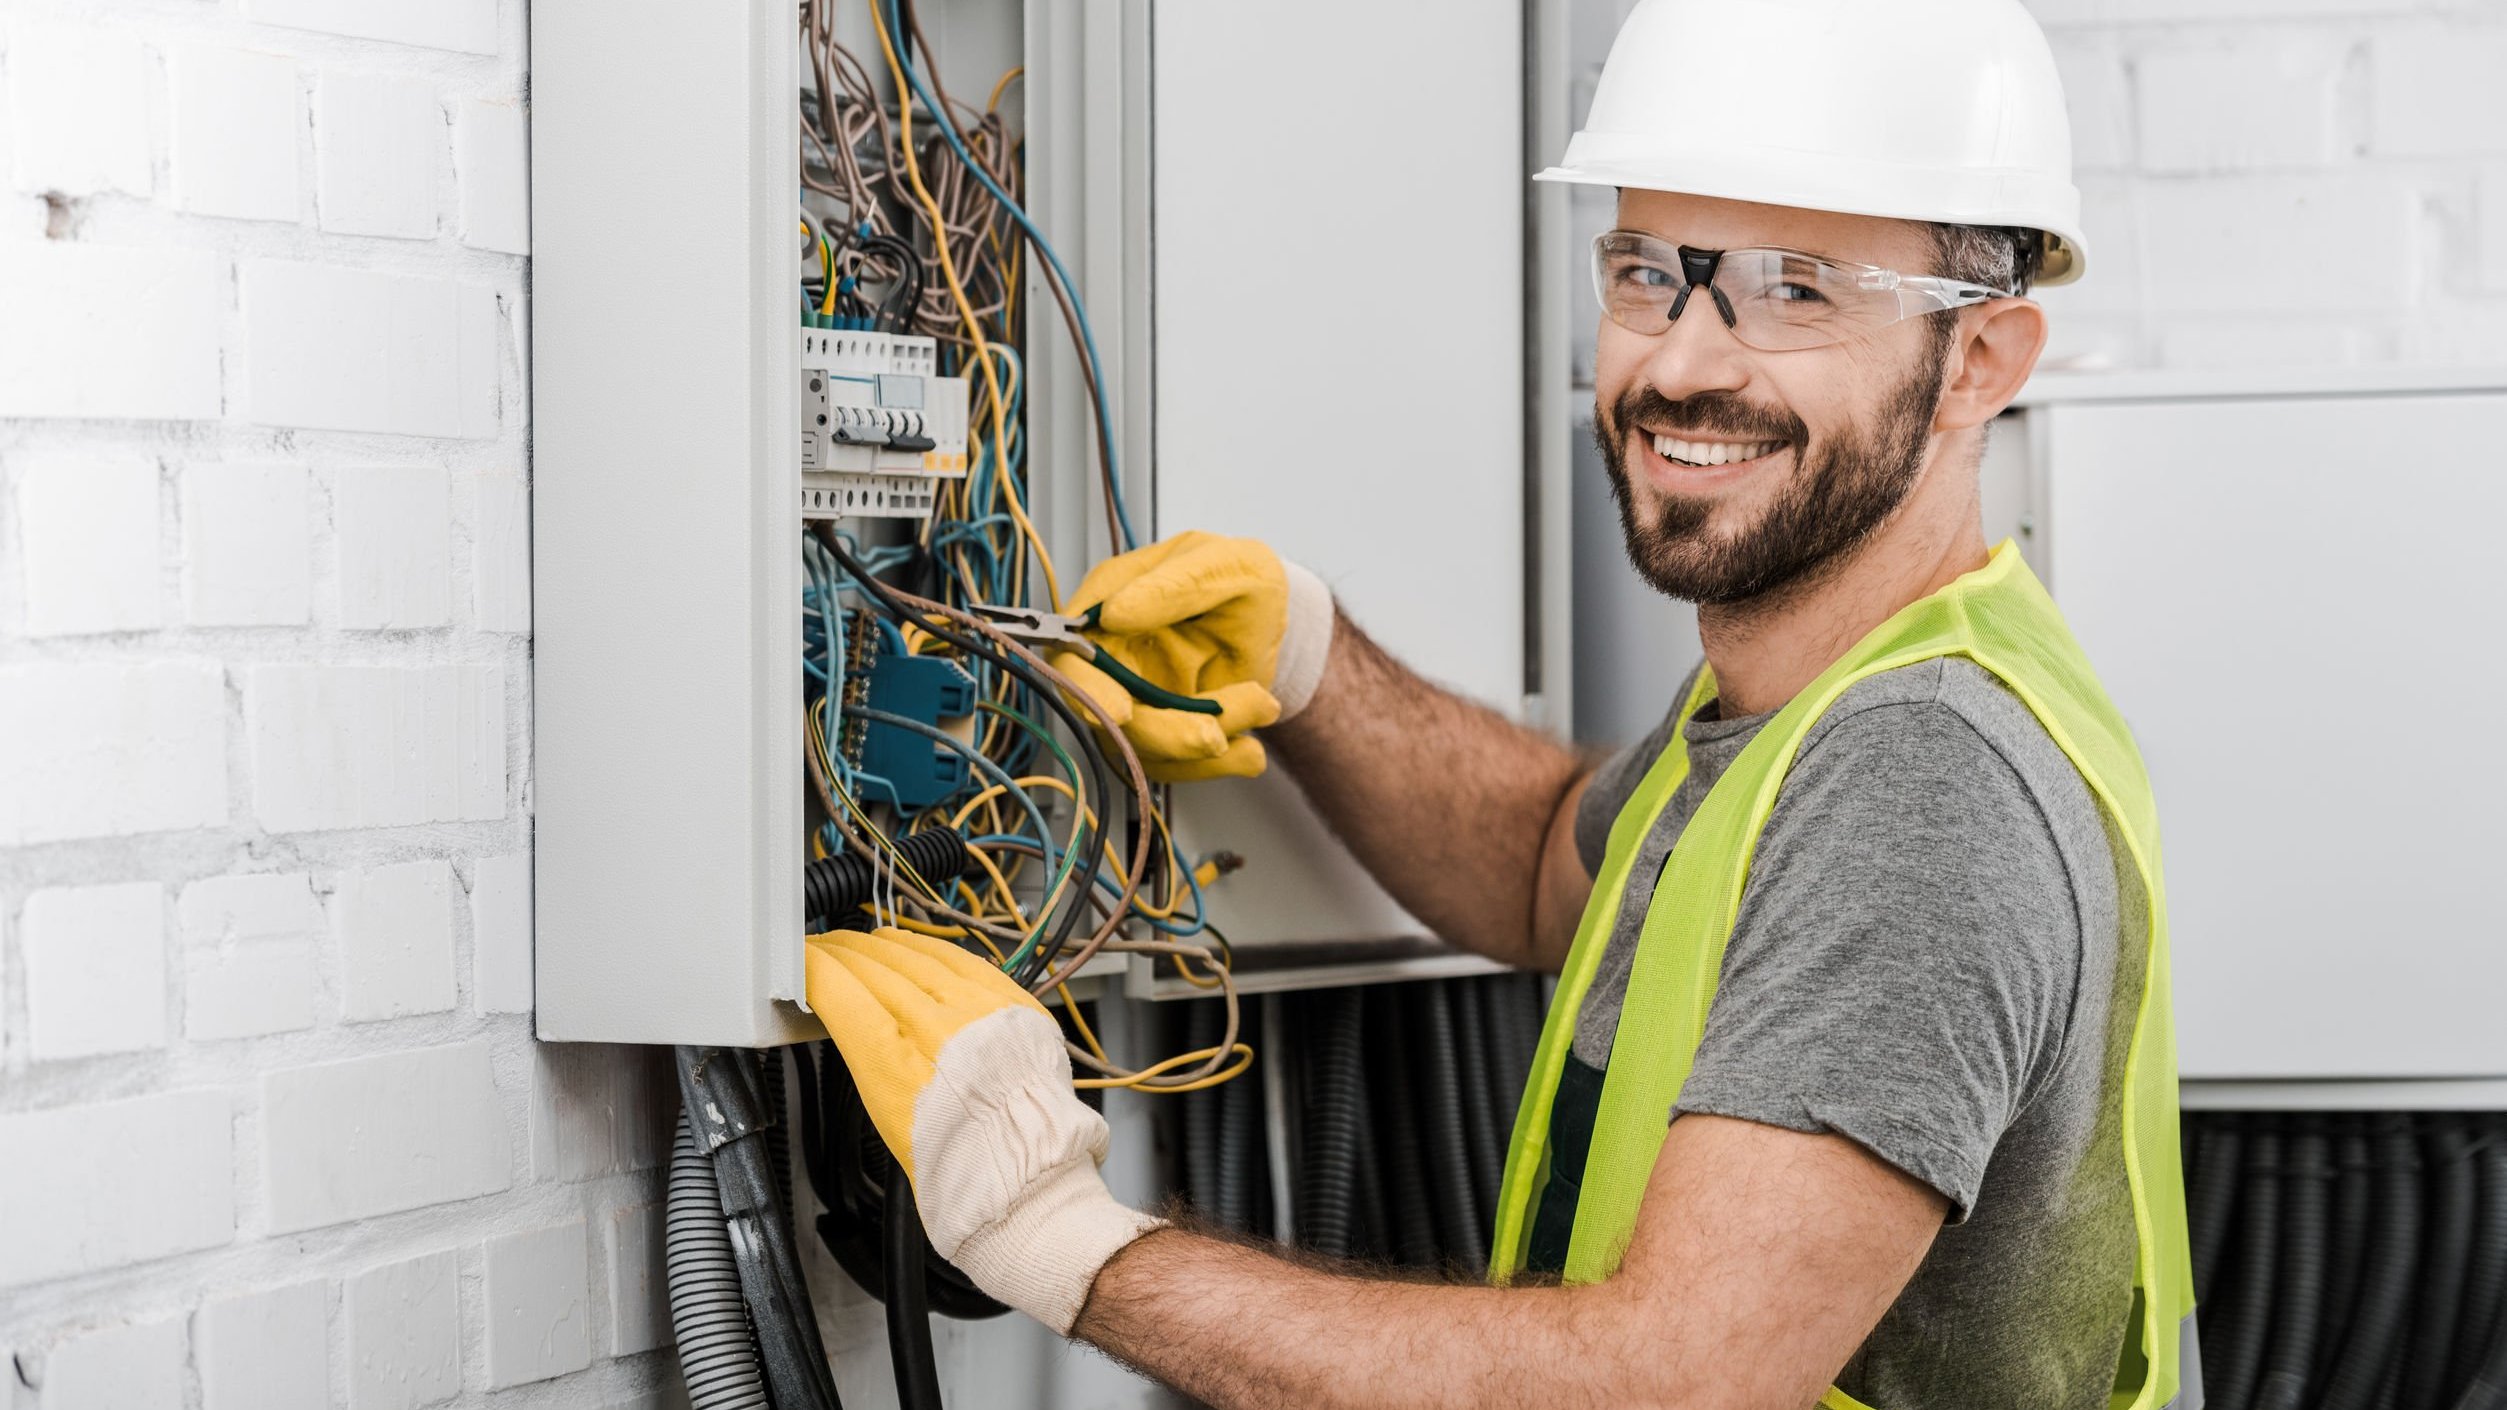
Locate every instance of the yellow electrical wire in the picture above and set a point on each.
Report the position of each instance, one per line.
(1243, 1053)
(966, 307)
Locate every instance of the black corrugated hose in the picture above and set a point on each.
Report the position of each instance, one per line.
(2445, 1155)
(2352, 1209)
(1244, 1170)
(1441, 1138)
(1410, 1229)
(2218, 1154)
(2376, 1328)
(2298, 1291)
(1328, 1166)
(2485, 1280)
(717, 1351)
(834, 888)
(1204, 1022)
(2360, 1265)
(2245, 1320)
(1486, 1147)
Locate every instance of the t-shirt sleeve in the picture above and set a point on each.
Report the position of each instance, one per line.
(1907, 952)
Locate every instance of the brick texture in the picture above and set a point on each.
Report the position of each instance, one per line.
(265, 1350)
(346, 1140)
(106, 1184)
(270, 1104)
(95, 970)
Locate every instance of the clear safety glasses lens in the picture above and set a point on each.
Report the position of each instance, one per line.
(1774, 300)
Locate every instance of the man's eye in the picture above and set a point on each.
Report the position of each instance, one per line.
(1645, 276)
(1789, 293)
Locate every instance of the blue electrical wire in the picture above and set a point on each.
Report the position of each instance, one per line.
(1087, 336)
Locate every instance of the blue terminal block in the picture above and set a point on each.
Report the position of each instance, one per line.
(901, 767)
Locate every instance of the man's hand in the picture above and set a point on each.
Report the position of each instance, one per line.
(964, 1074)
(1225, 619)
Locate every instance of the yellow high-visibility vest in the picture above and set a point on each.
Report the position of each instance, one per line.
(2000, 618)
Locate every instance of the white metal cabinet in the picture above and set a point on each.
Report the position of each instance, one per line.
(1341, 364)
(2286, 596)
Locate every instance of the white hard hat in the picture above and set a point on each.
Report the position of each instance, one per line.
(1933, 110)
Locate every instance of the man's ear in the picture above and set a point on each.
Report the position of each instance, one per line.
(1995, 350)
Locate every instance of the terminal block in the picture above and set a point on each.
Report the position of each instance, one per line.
(880, 428)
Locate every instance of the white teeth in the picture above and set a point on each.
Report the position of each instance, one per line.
(1712, 452)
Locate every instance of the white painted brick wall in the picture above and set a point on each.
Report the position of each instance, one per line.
(78, 104)
(247, 546)
(2266, 182)
(87, 526)
(232, 137)
(95, 970)
(100, 1185)
(265, 737)
(374, 1135)
(539, 1321)
(130, 1367)
(396, 941)
(404, 1333)
(379, 145)
(265, 1350)
(393, 525)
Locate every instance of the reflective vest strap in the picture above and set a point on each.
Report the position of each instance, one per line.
(1527, 1156)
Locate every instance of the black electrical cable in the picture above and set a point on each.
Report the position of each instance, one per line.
(2229, 1379)
(2349, 1223)
(728, 1117)
(1441, 1132)
(2369, 1350)
(2446, 1156)
(2298, 1295)
(909, 1311)
(2212, 1200)
(1328, 1166)
(2485, 1279)
(1083, 737)
(1410, 1234)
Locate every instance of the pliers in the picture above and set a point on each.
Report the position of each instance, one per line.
(1037, 627)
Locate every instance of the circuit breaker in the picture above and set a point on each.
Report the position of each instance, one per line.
(880, 427)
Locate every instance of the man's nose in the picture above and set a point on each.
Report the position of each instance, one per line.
(1697, 353)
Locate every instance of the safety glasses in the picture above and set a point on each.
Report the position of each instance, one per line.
(1774, 300)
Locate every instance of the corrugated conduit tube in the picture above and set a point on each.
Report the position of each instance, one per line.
(717, 1351)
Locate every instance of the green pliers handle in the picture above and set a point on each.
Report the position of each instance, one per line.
(1141, 688)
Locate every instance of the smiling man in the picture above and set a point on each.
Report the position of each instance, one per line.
(1859, 1085)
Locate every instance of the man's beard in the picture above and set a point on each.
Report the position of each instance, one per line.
(1834, 500)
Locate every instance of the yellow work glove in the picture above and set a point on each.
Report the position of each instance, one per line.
(1222, 618)
(964, 1074)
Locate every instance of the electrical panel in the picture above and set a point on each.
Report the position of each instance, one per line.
(722, 701)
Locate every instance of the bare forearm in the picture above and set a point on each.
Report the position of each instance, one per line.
(1445, 801)
(1176, 1305)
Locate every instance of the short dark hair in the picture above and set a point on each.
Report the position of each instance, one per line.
(2004, 257)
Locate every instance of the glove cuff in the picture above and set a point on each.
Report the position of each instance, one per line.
(1043, 1256)
(1306, 642)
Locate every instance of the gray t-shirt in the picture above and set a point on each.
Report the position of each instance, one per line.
(1937, 957)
